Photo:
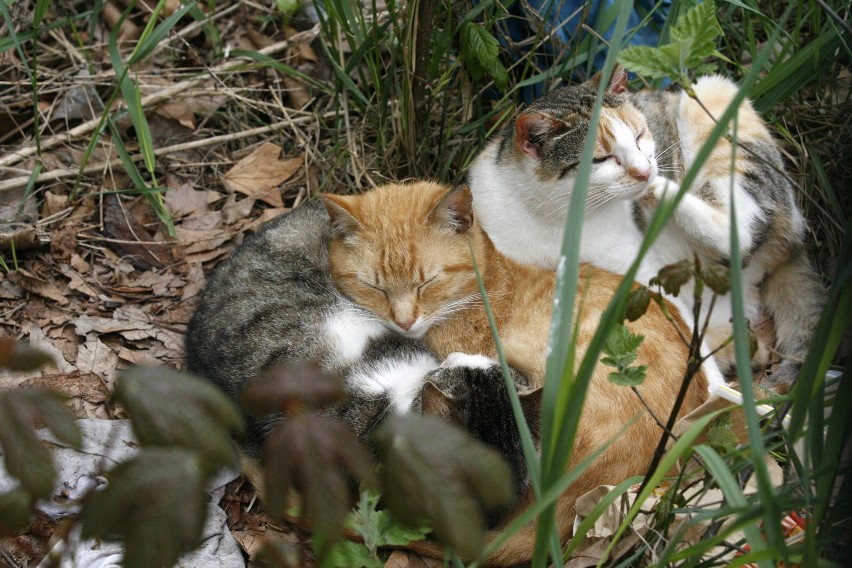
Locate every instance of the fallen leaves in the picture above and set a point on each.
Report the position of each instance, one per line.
(260, 173)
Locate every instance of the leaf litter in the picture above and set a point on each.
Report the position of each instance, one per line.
(89, 273)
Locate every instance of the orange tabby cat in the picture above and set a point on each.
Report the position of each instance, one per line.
(402, 252)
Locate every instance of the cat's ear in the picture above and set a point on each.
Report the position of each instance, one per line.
(343, 221)
(435, 402)
(617, 84)
(455, 210)
(531, 405)
(532, 129)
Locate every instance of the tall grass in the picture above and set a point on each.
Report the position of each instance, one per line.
(775, 60)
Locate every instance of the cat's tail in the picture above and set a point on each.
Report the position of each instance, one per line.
(793, 296)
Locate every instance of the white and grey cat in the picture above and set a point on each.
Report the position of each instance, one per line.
(646, 141)
(272, 302)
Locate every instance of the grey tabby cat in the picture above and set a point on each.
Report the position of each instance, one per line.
(272, 302)
(523, 179)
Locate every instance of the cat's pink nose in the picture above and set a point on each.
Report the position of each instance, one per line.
(639, 173)
(405, 324)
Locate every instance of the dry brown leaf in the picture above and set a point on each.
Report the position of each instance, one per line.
(43, 288)
(78, 264)
(64, 339)
(185, 200)
(78, 284)
(204, 257)
(10, 290)
(95, 356)
(112, 14)
(200, 240)
(53, 204)
(234, 210)
(80, 388)
(260, 173)
(125, 223)
(267, 215)
(195, 281)
(139, 356)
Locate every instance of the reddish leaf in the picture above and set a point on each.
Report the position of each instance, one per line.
(287, 387)
(673, 276)
(25, 457)
(318, 457)
(436, 472)
(169, 408)
(15, 509)
(637, 303)
(717, 279)
(156, 502)
(18, 356)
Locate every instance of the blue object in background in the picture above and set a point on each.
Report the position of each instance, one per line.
(561, 19)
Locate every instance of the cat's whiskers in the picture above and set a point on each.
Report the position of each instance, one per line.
(450, 308)
(665, 151)
(557, 195)
(603, 200)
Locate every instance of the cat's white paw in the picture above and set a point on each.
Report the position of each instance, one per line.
(661, 186)
(464, 360)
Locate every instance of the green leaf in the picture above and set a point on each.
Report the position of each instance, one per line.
(15, 510)
(650, 62)
(348, 554)
(700, 26)
(25, 457)
(694, 39)
(720, 436)
(156, 502)
(317, 456)
(621, 342)
(436, 472)
(169, 408)
(377, 527)
(481, 52)
(287, 7)
(629, 377)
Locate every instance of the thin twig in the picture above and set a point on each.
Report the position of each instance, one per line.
(149, 100)
(66, 173)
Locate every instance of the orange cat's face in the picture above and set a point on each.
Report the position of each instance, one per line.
(401, 251)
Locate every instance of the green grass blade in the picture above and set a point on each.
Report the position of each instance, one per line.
(563, 392)
(772, 525)
(730, 488)
(678, 451)
(597, 511)
(528, 446)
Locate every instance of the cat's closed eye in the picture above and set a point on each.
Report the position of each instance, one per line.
(376, 288)
(426, 283)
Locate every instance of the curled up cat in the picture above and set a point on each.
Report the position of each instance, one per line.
(403, 253)
(646, 141)
(273, 302)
